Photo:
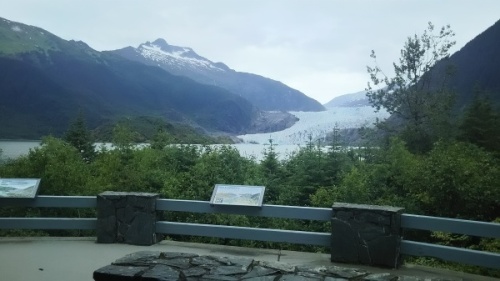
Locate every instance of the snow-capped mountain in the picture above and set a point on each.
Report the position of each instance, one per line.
(265, 93)
(179, 58)
(51, 79)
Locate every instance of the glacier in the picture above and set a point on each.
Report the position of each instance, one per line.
(319, 124)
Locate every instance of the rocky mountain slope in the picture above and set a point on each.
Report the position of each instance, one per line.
(349, 100)
(45, 81)
(263, 92)
(476, 68)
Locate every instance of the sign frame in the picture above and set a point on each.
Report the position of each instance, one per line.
(238, 195)
(25, 188)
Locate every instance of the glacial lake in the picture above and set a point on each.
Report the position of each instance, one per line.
(317, 124)
(13, 149)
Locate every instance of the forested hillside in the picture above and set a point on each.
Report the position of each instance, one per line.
(45, 81)
(476, 68)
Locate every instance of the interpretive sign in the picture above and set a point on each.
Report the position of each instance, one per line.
(19, 188)
(238, 195)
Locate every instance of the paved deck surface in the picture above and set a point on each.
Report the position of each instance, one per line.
(52, 259)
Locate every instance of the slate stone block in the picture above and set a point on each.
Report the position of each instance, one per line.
(228, 270)
(219, 278)
(205, 262)
(175, 255)
(290, 277)
(385, 251)
(344, 242)
(282, 267)
(126, 217)
(347, 273)
(106, 229)
(118, 273)
(160, 273)
(261, 278)
(106, 207)
(193, 272)
(141, 257)
(366, 234)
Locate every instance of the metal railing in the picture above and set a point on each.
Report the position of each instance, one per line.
(454, 254)
(247, 233)
(408, 221)
(50, 223)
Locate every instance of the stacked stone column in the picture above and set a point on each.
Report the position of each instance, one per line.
(126, 217)
(366, 234)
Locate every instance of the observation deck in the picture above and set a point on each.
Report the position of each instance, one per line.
(55, 258)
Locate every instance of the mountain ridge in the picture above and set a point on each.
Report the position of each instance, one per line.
(349, 100)
(477, 67)
(45, 81)
(265, 93)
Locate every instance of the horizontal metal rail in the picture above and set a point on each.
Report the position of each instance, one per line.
(271, 211)
(48, 223)
(408, 221)
(245, 233)
(459, 226)
(51, 202)
(467, 256)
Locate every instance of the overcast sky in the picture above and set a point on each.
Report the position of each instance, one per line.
(319, 47)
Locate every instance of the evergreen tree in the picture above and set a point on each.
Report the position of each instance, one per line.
(480, 125)
(271, 171)
(416, 97)
(80, 137)
(161, 139)
(123, 137)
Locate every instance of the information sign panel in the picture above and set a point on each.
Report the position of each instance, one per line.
(238, 195)
(18, 188)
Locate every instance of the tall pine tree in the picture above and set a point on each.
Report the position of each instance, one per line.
(480, 125)
(80, 137)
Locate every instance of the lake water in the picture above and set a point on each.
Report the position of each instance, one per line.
(315, 124)
(14, 149)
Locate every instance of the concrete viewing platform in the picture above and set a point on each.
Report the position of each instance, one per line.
(76, 259)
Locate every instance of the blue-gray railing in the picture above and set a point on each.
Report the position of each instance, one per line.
(408, 221)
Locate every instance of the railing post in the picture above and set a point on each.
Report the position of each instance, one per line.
(366, 234)
(126, 218)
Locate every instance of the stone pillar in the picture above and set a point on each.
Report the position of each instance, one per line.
(366, 234)
(126, 217)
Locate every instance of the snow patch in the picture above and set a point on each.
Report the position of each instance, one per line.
(16, 28)
(319, 124)
(155, 53)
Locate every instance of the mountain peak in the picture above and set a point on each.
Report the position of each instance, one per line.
(161, 42)
(159, 52)
(263, 92)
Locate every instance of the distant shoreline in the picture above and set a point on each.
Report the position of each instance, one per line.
(23, 140)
